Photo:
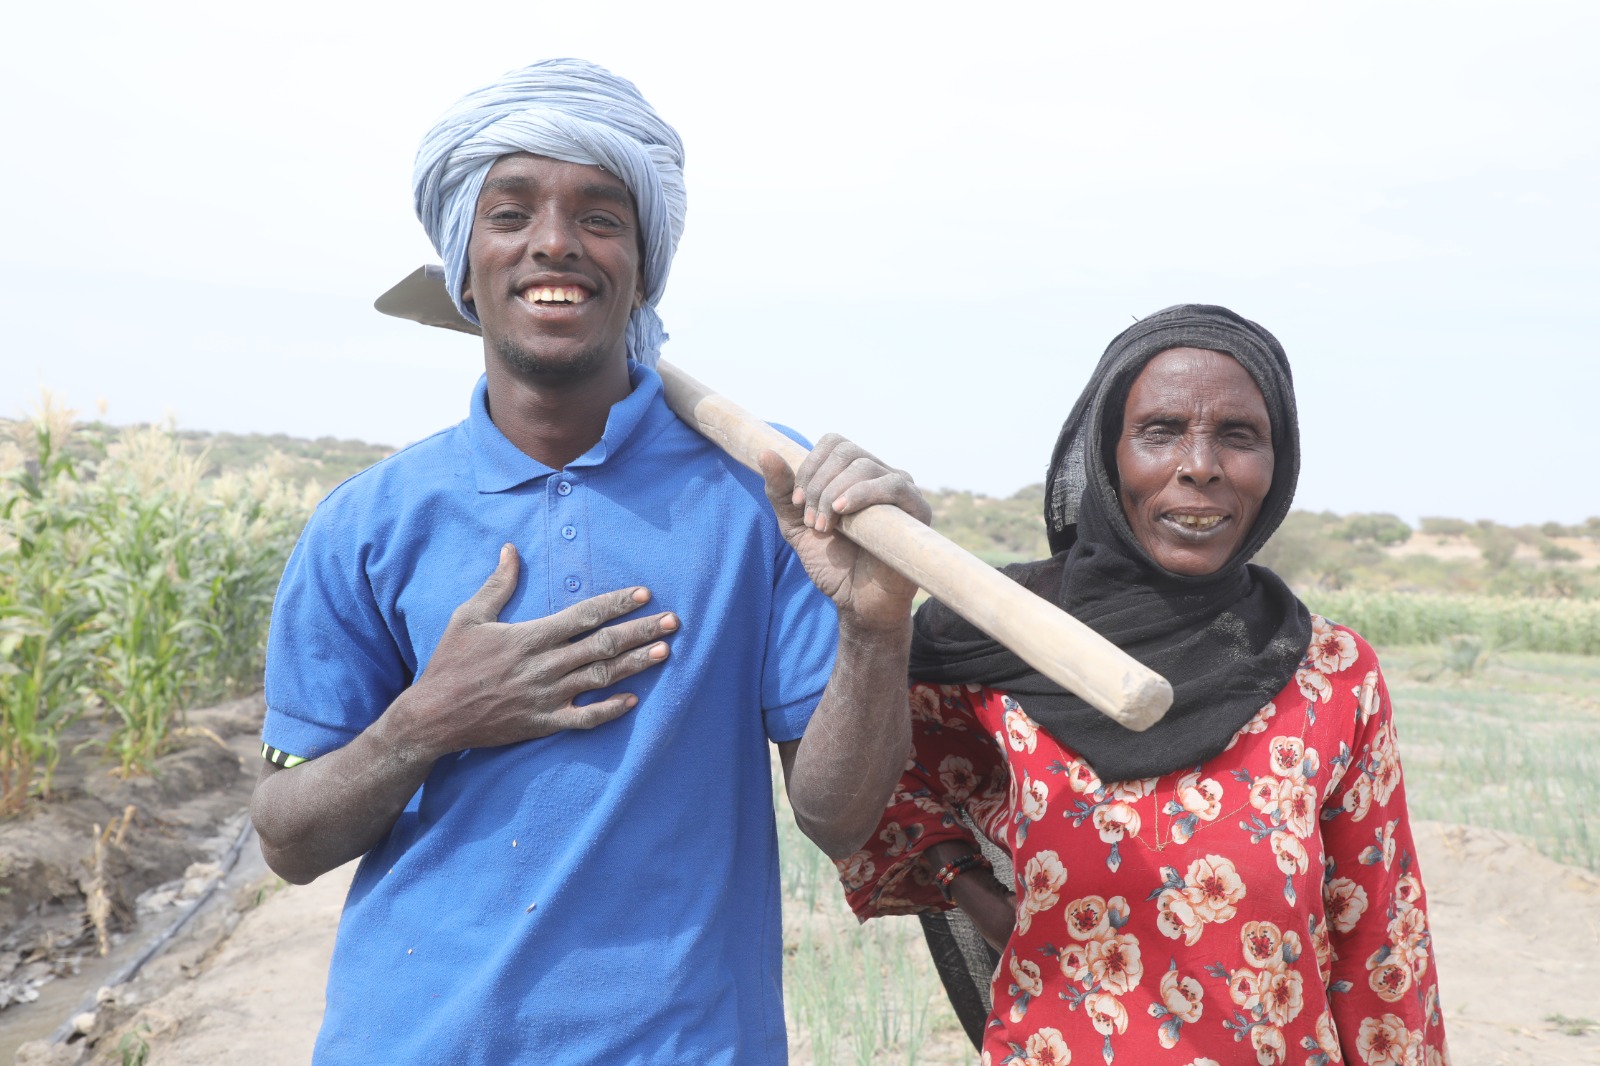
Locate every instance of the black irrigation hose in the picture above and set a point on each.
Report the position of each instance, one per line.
(152, 949)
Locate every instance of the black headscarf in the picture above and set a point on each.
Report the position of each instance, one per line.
(1228, 642)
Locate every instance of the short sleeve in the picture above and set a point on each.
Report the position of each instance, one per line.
(802, 638)
(333, 665)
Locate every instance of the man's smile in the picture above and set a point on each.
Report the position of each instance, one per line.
(555, 294)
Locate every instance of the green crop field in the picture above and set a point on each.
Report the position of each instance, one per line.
(1520, 623)
(1510, 741)
(131, 586)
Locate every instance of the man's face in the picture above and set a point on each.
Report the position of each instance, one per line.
(553, 266)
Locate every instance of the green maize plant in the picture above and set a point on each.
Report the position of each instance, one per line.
(46, 632)
(150, 658)
(250, 524)
(153, 586)
(186, 571)
(129, 583)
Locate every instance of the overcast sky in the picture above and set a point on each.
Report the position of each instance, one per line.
(918, 224)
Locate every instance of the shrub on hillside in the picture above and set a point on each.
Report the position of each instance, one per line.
(1552, 552)
(1383, 529)
(1446, 527)
(1497, 543)
(1306, 551)
(997, 531)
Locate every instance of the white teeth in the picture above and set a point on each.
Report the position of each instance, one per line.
(569, 294)
(1191, 521)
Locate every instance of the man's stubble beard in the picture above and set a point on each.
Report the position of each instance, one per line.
(525, 364)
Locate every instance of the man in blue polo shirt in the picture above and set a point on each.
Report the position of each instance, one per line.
(558, 777)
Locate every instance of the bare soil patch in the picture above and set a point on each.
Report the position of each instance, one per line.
(106, 858)
(1517, 944)
(1517, 941)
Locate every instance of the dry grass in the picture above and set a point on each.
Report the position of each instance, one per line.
(855, 994)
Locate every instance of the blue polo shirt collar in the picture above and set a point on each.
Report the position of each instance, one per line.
(498, 465)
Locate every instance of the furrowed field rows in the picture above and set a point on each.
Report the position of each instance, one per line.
(1509, 740)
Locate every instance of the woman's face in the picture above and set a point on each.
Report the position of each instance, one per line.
(1194, 458)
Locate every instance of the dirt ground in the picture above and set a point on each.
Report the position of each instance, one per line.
(1517, 937)
(105, 854)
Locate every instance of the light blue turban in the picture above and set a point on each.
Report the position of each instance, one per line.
(565, 109)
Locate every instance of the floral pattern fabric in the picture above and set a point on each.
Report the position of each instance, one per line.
(1263, 907)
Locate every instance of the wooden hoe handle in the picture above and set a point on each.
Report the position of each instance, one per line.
(1052, 641)
(1046, 637)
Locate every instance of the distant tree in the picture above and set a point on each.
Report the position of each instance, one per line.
(1528, 534)
(1303, 554)
(998, 531)
(1385, 530)
(1446, 527)
(1557, 553)
(1497, 543)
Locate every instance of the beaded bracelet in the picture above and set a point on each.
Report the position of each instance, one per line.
(946, 874)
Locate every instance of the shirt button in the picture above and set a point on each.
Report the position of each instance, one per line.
(573, 584)
(569, 532)
(564, 488)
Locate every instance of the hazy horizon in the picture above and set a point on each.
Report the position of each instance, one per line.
(93, 417)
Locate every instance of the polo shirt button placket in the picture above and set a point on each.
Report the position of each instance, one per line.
(565, 508)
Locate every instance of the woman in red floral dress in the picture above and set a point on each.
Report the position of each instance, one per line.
(1237, 884)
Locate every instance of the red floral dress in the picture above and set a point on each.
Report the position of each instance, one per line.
(1265, 906)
